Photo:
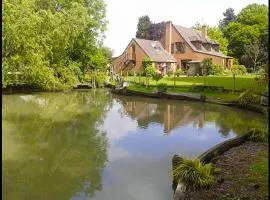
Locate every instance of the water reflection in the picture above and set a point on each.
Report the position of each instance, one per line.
(175, 114)
(92, 145)
(52, 151)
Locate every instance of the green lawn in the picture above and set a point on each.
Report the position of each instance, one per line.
(225, 96)
(241, 82)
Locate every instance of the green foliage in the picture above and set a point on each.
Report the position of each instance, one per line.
(170, 73)
(100, 78)
(238, 69)
(249, 28)
(142, 26)
(259, 135)
(162, 87)
(215, 70)
(51, 43)
(254, 54)
(229, 16)
(146, 63)
(246, 98)
(194, 174)
(150, 71)
(206, 65)
(157, 76)
(179, 72)
(214, 33)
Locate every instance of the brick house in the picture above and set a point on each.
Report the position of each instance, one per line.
(179, 47)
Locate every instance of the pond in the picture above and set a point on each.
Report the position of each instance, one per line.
(94, 145)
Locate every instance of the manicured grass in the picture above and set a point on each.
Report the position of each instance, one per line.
(209, 94)
(241, 82)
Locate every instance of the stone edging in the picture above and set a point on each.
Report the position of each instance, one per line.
(208, 156)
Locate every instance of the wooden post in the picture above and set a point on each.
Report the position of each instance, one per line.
(174, 77)
(233, 83)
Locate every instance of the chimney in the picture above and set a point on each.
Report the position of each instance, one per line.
(168, 36)
(204, 31)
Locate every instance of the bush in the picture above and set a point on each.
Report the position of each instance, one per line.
(215, 70)
(157, 76)
(194, 174)
(179, 72)
(247, 98)
(259, 135)
(100, 79)
(162, 87)
(170, 73)
(238, 69)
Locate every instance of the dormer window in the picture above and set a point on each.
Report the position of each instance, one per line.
(207, 46)
(197, 44)
(215, 47)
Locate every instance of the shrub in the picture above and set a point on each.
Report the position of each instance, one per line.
(259, 135)
(194, 174)
(170, 73)
(162, 87)
(157, 77)
(238, 69)
(179, 72)
(150, 70)
(100, 79)
(215, 70)
(247, 98)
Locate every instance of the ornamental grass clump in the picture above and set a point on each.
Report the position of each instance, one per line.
(259, 135)
(194, 174)
(246, 98)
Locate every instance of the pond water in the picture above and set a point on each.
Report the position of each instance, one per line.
(94, 145)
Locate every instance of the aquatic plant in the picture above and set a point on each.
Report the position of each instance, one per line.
(194, 174)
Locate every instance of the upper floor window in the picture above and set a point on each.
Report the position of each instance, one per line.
(207, 46)
(178, 47)
(215, 47)
(197, 44)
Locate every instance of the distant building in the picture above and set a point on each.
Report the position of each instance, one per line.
(177, 48)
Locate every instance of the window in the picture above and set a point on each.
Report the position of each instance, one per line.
(197, 44)
(207, 46)
(180, 47)
(215, 47)
(172, 48)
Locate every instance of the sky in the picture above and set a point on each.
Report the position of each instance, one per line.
(123, 15)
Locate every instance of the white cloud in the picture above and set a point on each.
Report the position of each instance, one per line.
(123, 15)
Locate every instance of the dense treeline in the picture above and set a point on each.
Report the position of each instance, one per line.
(53, 44)
(243, 36)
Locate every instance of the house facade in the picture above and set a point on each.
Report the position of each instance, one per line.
(139, 49)
(177, 48)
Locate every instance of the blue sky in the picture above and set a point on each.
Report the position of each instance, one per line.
(123, 15)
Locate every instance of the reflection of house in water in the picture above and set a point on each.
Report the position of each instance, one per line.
(170, 115)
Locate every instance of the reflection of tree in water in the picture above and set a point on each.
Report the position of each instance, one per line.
(60, 147)
(177, 113)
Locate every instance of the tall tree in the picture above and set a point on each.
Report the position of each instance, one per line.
(253, 56)
(229, 16)
(251, 27)
(142, 26)
(50, 42)
(156, 31)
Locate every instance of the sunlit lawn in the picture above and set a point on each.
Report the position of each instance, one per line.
(225, 96)
(241, 82)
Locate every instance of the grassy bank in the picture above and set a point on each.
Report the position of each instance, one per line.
(225, 96)
(241, 82)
